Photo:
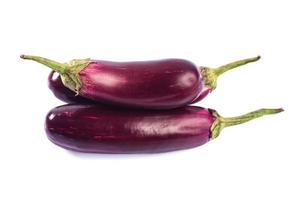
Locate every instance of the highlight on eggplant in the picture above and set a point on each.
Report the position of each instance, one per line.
(99, 129)
(159, 84)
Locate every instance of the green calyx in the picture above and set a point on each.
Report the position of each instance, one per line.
(221, 122)
(69, 72)
(210, 75)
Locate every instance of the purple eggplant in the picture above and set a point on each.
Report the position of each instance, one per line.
(161, 84)
(99, 129)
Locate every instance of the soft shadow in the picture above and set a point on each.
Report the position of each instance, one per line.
(104, 156)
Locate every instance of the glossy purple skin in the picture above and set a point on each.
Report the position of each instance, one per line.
(161, 84)
(63, 93)
(97, 129)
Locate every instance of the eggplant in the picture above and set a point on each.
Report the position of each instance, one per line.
(101, 129)
(160, 84)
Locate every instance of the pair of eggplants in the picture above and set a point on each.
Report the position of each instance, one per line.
(135, 107)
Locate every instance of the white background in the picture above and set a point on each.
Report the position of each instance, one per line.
(256, 160)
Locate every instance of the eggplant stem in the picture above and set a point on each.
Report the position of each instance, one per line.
(211, 75)
(231, 121)
(69, 72)
(222, 122)
(56, 66)
(224, 68)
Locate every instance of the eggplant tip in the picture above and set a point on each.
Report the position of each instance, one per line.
(22, 56)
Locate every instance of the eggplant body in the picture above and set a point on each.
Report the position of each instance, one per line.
(99, 129)
(162, 84)
(63, 93)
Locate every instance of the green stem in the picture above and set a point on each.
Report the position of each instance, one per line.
(56, 66)
(222, 122)
(224, 68)
(69, 72)
(211, 75)
(231, 121)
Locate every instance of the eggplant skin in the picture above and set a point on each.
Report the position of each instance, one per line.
(99, 129)
(161, 84)
(63, 93)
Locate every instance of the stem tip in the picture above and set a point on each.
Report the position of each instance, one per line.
(280, 110)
